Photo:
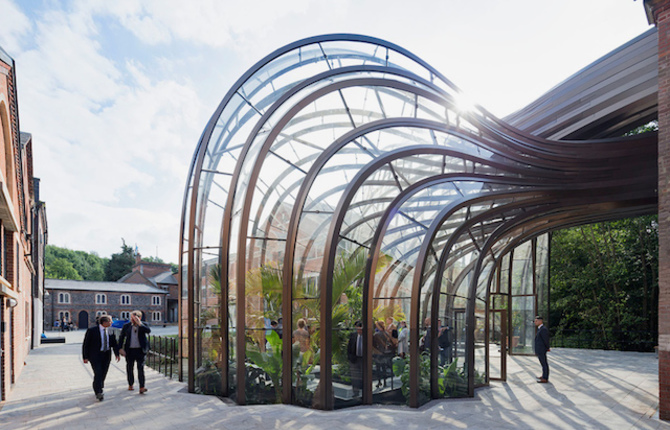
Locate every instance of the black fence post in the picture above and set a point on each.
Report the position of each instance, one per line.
(171, 355)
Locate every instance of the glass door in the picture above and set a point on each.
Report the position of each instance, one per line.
(497, 345)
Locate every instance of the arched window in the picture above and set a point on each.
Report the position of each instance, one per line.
(63, 297)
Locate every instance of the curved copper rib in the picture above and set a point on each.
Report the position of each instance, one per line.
(513, 187)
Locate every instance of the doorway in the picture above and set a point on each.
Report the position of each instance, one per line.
(497, 345)
(83, 319)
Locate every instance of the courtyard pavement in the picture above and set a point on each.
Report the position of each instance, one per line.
(588, 390)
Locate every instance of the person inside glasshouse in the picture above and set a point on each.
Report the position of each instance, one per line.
(382, 352)
(424, 342)
(403, 339)
(301, 335)
(444, 341)
(355, 355)
(392, 331)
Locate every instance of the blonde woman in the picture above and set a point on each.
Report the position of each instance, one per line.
(134, 345)
(301, 335)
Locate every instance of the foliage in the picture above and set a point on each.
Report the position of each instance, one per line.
(60, 268)
(63, 263)
(208, 379)
(401, 368)
(604, 279)
(120, 264)
(649, 127)
(153, 260)
(453, 382)
(270, 360)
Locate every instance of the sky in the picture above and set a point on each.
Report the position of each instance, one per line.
(117, 93)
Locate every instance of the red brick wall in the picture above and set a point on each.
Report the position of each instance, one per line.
(661, 13)
(16, 338)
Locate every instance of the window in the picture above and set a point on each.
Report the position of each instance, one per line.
(155, 300)
(99, 313)
(125, 315)
(64, 314)
(125, 299)
(63, 297)
(100, 299)
(155, 316)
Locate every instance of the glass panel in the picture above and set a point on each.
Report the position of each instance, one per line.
(208, 378)
(523, 328)
(542, 276)
(232, 337)
(496, 339)
(522, 270)
(481, 377)
(264, 289)
(504, 274)
(282, 165)
(264, 363)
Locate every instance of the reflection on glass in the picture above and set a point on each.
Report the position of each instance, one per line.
(303, 142)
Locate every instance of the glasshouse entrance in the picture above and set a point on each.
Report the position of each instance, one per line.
(353, 233)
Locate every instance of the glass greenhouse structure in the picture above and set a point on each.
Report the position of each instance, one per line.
(354, 233)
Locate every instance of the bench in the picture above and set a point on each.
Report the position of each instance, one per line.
(52, 340)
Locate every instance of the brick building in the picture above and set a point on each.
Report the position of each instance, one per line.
(157, 275)
(81, 301)
(21, 243)
(658, 13)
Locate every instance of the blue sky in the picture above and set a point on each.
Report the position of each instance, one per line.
(116, 93)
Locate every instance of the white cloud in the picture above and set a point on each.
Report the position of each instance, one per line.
(13, 26)
(112, 152)
(114, 132)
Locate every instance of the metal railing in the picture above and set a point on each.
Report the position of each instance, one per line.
(162, 355)
(619, 340)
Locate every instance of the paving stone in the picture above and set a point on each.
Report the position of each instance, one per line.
(588, 389)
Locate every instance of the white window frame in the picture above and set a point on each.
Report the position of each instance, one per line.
(64, 313)
(101, 299)
(64, 298)
(100, 313)
(155, 300)
(127, 297)
(156, 316)
(125, 315)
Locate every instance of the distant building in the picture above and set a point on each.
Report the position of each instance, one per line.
(158, 275)
(23, 234)
(82, 301)
(39, 243)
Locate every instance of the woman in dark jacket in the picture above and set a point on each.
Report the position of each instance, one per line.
(134, 346)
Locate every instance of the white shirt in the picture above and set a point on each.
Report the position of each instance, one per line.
(103, 334)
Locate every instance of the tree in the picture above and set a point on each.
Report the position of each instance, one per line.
(81, 265)
(604, 279)
(60, 268)
(120, 264)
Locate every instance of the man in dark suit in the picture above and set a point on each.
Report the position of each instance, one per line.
(355, 355)
(541, 348)
(134, 345)
(99, 342)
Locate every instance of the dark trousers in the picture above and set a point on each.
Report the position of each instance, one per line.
(356, 372)
(135, 355)
(100, 367)
(545, 365)
(445, 355)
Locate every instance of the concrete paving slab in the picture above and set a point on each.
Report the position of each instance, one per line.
(589, 389)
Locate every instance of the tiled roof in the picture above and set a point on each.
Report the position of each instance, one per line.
(165, 278)
(117, 287)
